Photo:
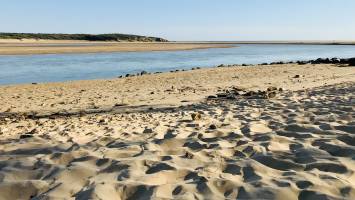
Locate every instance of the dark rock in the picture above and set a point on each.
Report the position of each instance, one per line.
(250, 93)
(143, 73)
(26, 136)
(148, 130)
(213, 127)
(296, 76)
(196, 116)
(235, 92)
(326, 61)
(211, 97)
(235, 88)
(192, 125)
(318, 61)
(188, 155)
(271, 95)
(335, 60)
(321, 61)
(344, 61)
(271, 88)
(120, 104)
(231, 96)
(351, 62)
(261, 93)
(104, 120)
(302, 62)
(222, 95)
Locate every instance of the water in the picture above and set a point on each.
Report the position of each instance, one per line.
(64, 67)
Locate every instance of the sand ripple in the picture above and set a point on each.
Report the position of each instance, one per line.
(300, 145)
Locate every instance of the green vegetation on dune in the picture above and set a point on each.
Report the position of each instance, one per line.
(88, 37)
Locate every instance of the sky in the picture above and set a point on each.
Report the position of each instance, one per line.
(186, 20)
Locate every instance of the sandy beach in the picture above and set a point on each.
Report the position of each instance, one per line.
(32, 46)
(26, 47)
(181, 136)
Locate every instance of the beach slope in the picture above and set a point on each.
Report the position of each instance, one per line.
(199, 134)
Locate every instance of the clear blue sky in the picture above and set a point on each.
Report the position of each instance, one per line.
(186, 19)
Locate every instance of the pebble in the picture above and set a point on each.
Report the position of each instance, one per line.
(103, 120)
(213, 127)
(211, 97)
(196, 116)
(271, 95)
(25, 136)
(271, 88)
(148, 130)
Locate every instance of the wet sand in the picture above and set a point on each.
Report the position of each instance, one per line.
(158, 136)
(31, 46)
(25, 47)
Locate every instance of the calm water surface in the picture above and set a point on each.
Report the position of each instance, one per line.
(64, 67)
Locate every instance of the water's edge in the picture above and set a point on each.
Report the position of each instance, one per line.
(69, 67)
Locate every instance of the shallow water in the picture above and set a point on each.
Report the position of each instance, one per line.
(64, 67)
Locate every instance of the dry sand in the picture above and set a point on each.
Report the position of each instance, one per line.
(23, 47)
(134, 138)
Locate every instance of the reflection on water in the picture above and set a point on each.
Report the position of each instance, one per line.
(63, 67)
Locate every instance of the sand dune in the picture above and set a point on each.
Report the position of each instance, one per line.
(297, 145)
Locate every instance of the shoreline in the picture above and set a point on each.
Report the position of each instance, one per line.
(71, 48)
(76, 47)
(37, 47)
(334, 61)
(311, 42)
(274, 42)
(96, 51)
(75, 85)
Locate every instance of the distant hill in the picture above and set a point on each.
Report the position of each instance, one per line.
(88, 37)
